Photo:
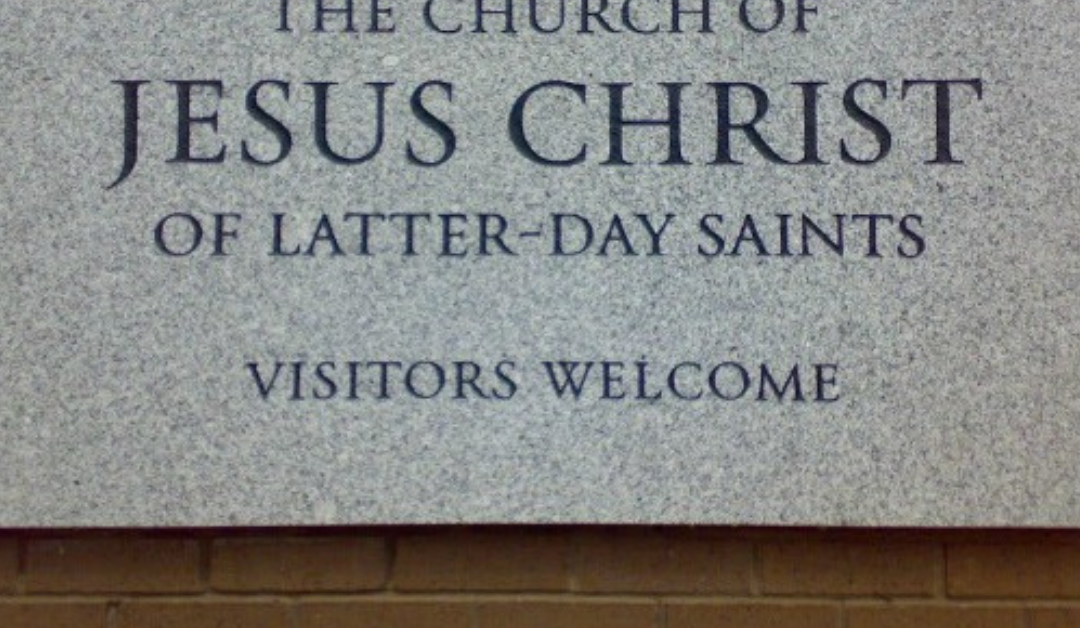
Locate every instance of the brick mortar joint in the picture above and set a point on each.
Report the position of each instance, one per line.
(466, 597)
(205, 562)
(20, 566)
(390, 558)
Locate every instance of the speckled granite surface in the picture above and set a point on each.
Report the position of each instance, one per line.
(937, 356)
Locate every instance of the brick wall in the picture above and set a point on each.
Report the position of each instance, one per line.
(541, 578)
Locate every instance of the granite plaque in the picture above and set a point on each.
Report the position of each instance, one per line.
(303, 262)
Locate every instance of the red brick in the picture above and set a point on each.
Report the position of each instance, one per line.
(1021, 571)
(756, 615)
(655, 562)
(197, 614)
(383, 614)
(275, 564)
(570, 613)
(482, 561)
(9, 564)
(52, 615)
(850, 568)
(1054, 618)
(113, 565)
(933, 617)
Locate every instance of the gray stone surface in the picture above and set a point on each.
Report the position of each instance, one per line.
(125, 399)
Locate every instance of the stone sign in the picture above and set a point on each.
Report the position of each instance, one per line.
(780, 262)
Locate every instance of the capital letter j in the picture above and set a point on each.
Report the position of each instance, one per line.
(131, 128)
